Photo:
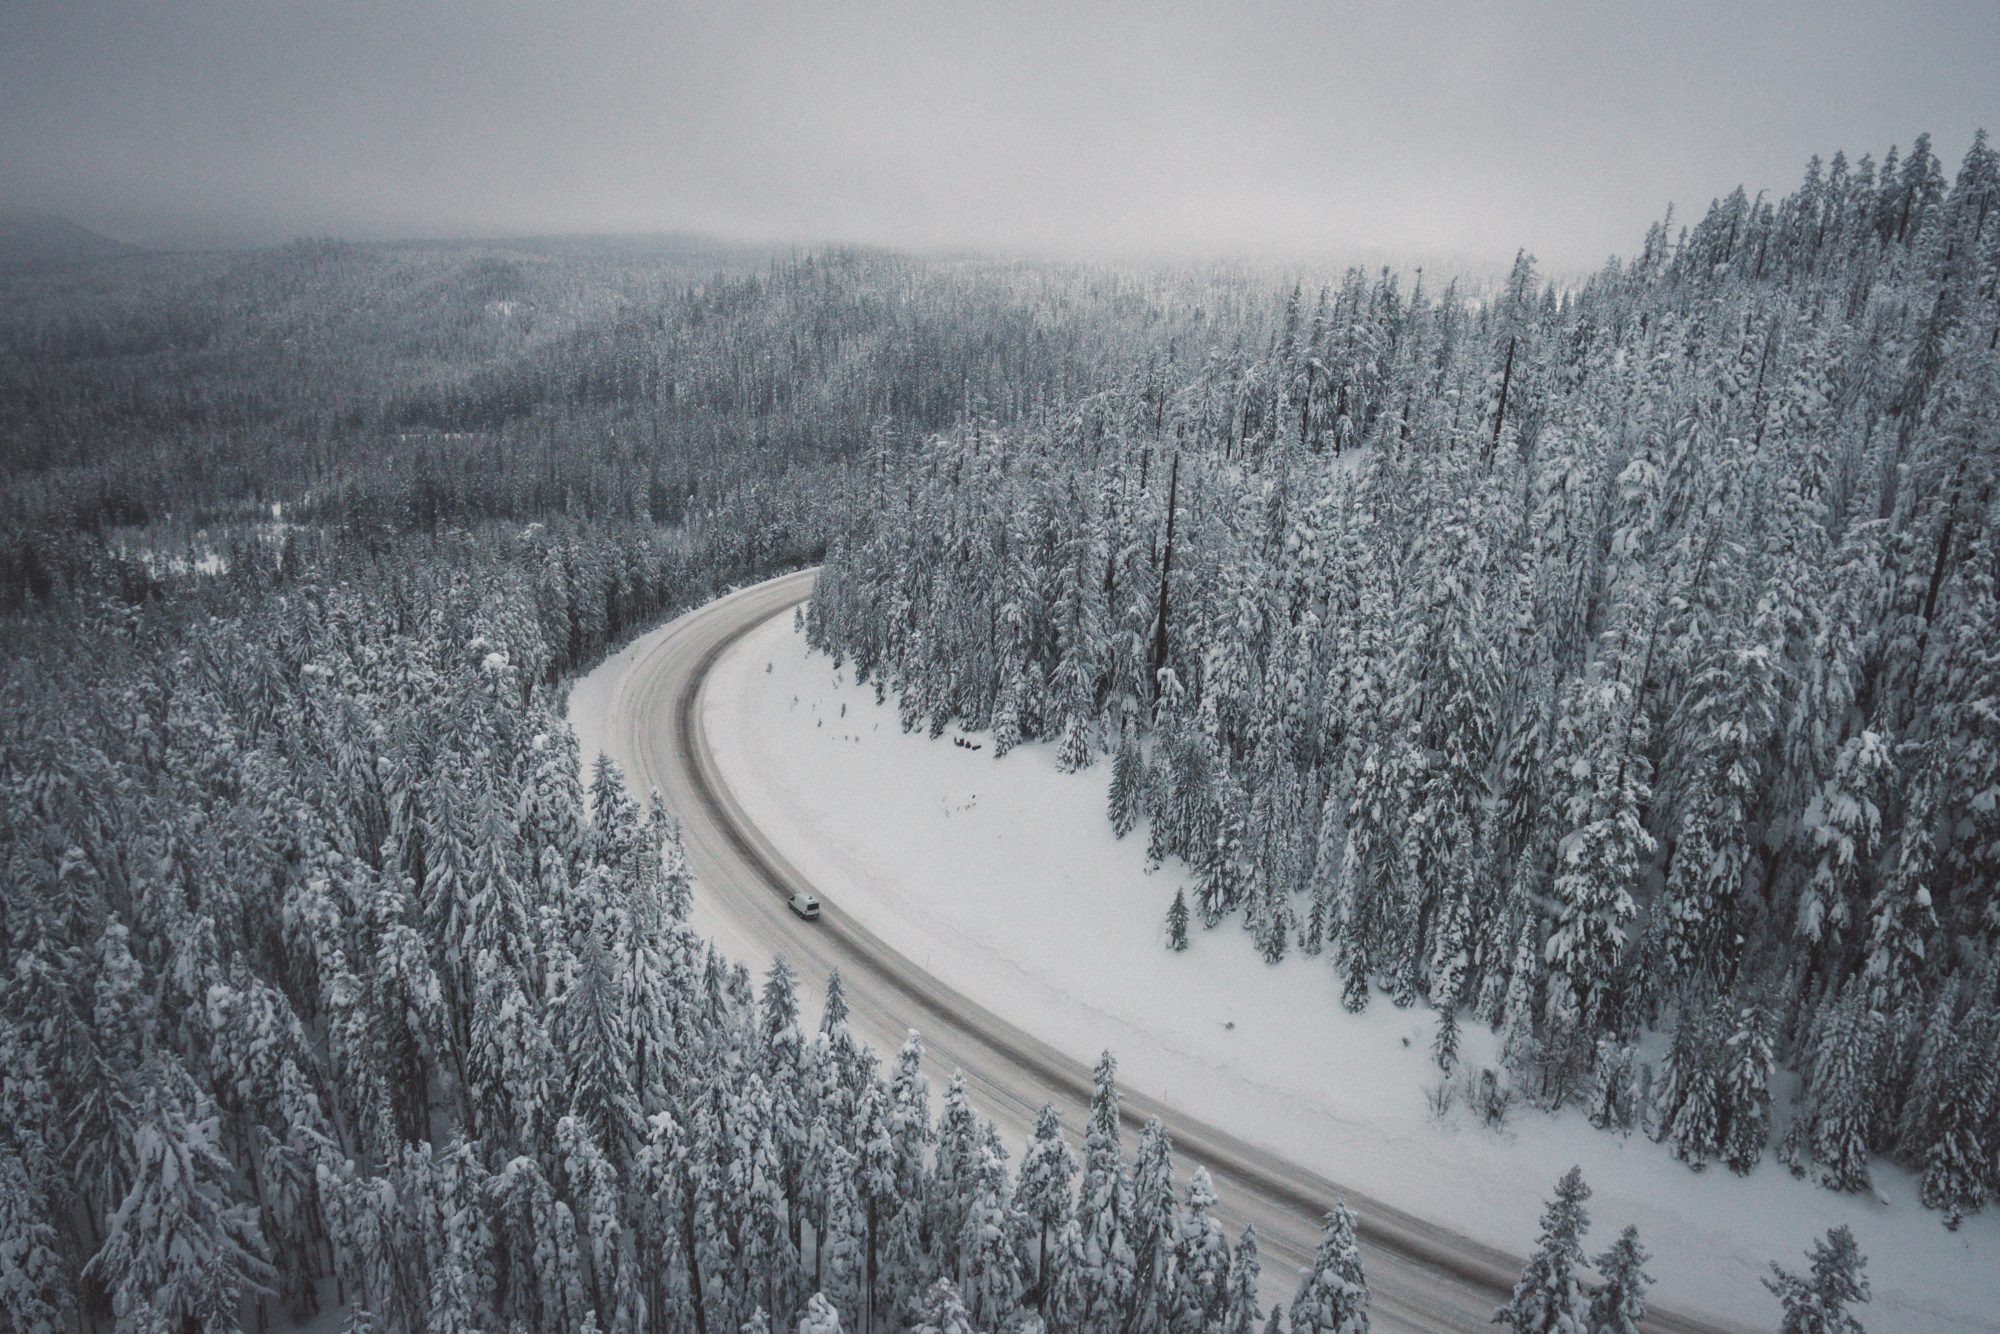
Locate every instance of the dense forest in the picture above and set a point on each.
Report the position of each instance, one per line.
(403, 389)
(1613, 663)
(332, 978)
(327, 977)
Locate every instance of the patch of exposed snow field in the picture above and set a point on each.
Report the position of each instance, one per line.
(1004, 878)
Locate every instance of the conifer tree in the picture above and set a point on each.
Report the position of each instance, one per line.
(1833, 1126)
(1007, 714)
(34, 1291)
(1844, 825)
(1731, 706)
(1177, 922)
(1818, 1301)
(1042, 1191)
(1599, 861)
(1688, 1108)
(820, 1317)
(955, 1177)
(1902, 918)
(1104, 1203)
(590, 1030)
(1201, 1262)
(1619, 1304)
(1744, 1088)
(676, 880)
(1956, 1178)
(1333, 1295)
(1549, 1298)
(1063, 1298)
(1610, 1105)
(942, 1311)
(993, 1281)
(1126, 794)
(876, 1191)
(1245, 1269)
(179, 1250)
(1154, 1224)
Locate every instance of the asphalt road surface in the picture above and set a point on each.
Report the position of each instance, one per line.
(1420, 1276)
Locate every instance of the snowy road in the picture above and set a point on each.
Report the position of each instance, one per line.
(1421, 1277)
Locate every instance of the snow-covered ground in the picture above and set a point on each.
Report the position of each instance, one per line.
(1004, 878)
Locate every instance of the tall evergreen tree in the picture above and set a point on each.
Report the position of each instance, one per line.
(1333, 1295)
(1619, 1304)
(180, 1250)
(1818, 1301)
(1549, 1297)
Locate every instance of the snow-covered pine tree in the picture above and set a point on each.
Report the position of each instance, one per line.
(1104, 1202)
(35, 1295)
(676, 880)
(1818, 1301)
(1611, 1101)
(1245, 1269)
(988, 1261)
(1619, 1303)
(1744, 1087)
(942, 1311)
(840, 1258)
(180, 1250)
(1598, 863)
(1153, 1226)
(1042, 1194)
(1519, 1044)
(955, 1177)
(1062, 1295)
(820, 1316)
(1007, 712)
(1333, 1295)
(1957, 1171)
(1902, 917)
(590, 1031)
(1688, 1110)
(1731, 709)
(1126, 797)
(1177, 922)
(875, 1191)
(1843, 823)
(1836, 1116)
(1200, 1294)
(1549, 1298)
(1931, 1059)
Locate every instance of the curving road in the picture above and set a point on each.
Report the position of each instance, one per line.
(1421, 1277)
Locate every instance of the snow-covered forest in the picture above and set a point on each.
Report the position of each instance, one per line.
(1612, 662)
(330, 979)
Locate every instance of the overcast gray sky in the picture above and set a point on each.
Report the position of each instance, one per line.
(1246, 128)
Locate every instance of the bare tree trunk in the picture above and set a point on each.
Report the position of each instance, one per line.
(694, 1267)
(1506, 382)
(1166, 571)
(868, 1317)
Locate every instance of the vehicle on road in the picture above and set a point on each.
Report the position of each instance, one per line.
(805, 905)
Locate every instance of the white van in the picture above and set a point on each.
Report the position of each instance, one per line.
(805, 905)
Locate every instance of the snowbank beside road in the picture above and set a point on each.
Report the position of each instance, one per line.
(1005, 879)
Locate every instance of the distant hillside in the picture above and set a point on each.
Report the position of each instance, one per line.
(41, 241)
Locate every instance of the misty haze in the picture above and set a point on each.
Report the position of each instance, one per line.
(999, 669)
